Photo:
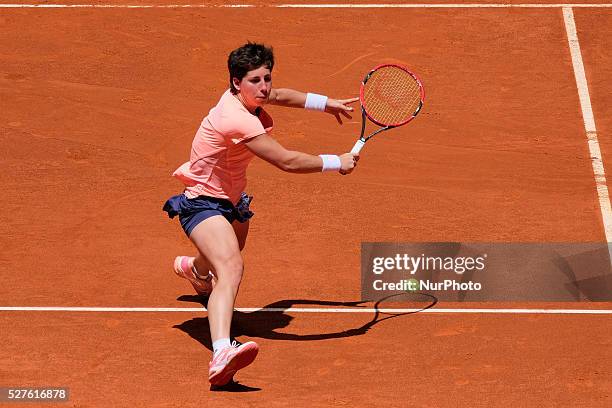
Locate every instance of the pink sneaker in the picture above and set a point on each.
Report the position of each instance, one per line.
(226, 362)
(183, 267)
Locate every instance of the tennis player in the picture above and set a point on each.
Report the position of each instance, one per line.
(214, 210)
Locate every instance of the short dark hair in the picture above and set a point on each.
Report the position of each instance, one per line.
(247, 58)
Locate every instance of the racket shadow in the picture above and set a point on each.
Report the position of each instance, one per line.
(400, 304)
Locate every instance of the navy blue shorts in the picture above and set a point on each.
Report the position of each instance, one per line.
(192, 211)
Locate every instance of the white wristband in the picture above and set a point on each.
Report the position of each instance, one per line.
(315, 102)
(331, 162)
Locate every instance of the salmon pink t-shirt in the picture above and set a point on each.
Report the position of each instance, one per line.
(219, 158)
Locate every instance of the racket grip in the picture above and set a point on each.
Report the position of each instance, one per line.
(358, 146)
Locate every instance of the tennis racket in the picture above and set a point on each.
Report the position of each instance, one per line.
(390, 96)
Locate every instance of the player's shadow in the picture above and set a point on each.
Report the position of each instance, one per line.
(261, 324)
(264, 322)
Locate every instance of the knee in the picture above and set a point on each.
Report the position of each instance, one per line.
(232, 271)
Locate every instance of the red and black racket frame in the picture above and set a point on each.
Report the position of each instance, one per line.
(385, 126)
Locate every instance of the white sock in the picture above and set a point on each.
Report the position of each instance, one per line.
(221, 344)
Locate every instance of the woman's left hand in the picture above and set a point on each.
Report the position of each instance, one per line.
(339, 107)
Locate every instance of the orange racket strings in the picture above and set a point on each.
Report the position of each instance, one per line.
(391, 96)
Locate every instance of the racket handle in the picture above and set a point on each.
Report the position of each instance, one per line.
(358, 146)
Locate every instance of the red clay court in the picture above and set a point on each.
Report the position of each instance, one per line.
(100, 102)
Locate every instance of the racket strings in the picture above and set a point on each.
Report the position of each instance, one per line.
(391, 95)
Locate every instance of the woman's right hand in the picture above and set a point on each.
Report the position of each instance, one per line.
(348, 161)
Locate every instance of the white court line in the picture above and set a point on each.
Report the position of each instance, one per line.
(589, 124)
(313, 6)
(303, 310)
(441, 5)
(127, 6)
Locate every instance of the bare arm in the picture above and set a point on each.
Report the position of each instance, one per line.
(287, 97)
(268, 149)
(296, 99)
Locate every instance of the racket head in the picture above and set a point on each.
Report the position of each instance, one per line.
(391, 95)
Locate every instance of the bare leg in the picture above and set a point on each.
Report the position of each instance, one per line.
(202, 264)
(216, 240)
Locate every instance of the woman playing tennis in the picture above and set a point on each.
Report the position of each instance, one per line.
(214, 210)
